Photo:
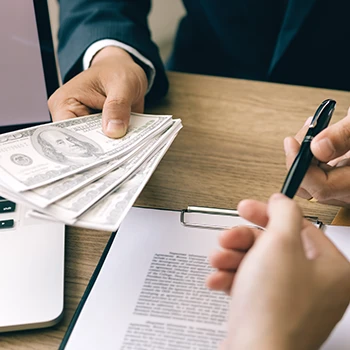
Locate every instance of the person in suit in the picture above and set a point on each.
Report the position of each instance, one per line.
(299, 42)
(289, 285)
(108, 62)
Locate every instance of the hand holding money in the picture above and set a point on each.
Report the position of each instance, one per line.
(104, 86)
(68, 170)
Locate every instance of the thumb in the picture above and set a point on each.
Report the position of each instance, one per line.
(285, 219)
(332, 142)
(318, 246)
(116, 113)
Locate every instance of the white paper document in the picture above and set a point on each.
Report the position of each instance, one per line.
(150, 293)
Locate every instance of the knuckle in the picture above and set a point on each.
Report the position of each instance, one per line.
(141, 82)
(72, 102)
(303, 193)
(60, 98)
(51, 102)
(323, 194)
(55, 98)
(344, 132)
(119, 101)
(141, 76)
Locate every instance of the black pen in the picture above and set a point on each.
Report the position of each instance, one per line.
(304, 157)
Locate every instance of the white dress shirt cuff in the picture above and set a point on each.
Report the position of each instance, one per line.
(99, 45)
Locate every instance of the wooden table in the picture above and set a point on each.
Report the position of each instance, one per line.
(231, 147)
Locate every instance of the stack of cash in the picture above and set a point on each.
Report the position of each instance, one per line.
(71, 172)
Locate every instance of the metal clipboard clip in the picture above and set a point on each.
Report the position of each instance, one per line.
(219, 219)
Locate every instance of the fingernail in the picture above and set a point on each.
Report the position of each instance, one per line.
(116, 128)
(277, 196)
(325, 148)
(308, 121)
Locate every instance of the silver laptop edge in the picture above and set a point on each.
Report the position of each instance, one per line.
(31, 250)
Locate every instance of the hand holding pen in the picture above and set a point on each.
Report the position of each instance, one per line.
(304, 157)
(329, 181)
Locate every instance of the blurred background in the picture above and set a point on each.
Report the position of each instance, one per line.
(163, 21)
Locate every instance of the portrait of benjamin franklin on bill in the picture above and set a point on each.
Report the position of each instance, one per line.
(65, 146)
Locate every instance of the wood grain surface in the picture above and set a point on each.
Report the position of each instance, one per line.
(230, 148)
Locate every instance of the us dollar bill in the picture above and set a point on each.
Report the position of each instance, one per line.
(37, 156)
(53, 192)
(108, 213)
(74, 205)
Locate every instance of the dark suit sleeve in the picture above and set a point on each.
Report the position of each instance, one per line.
(83, 22)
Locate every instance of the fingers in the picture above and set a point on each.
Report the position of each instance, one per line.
(329, 264)
(302, 132)
(63, 106)
(114, 84)
(332, 142)
(285, 219)
(226, 259)
(316, 244)
(253, 211)
(240, 238)
(343, 162)
(256, 212)
(116, 112)
(116, 115)
(333, 184)
(121, 100)
(68, 109)
(291, 148)
(235, 242)
(221, 281)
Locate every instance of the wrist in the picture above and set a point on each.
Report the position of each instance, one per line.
(110, 52)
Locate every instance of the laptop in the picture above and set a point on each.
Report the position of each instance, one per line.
(31, 250)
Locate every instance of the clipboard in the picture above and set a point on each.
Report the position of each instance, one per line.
(194, 219)
(187, 218)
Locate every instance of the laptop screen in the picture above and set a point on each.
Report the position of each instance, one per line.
(27, 64)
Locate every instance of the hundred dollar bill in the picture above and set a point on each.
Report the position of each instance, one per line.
(74, 205)
(45, 195)
(37, 156)
(53, 192)
(108, 213)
